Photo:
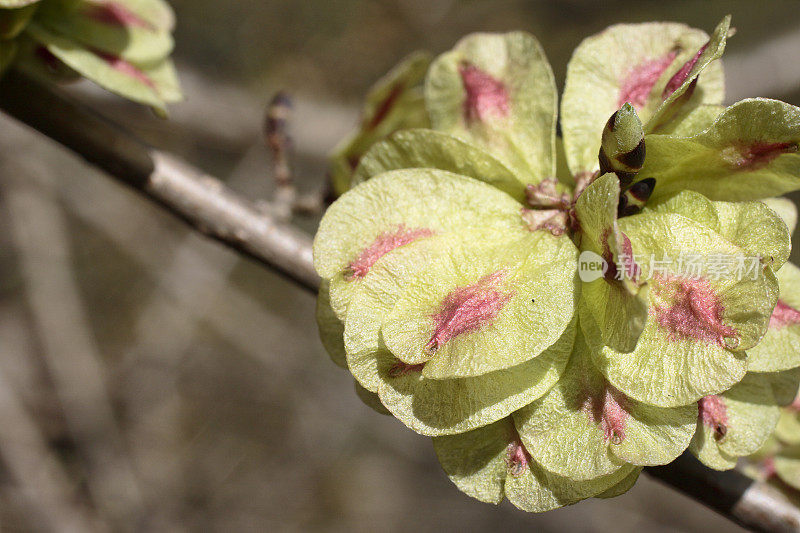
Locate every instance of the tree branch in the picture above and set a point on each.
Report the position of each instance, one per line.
(204, 202)
(210, 207)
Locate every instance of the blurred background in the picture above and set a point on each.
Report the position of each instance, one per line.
(151, 380)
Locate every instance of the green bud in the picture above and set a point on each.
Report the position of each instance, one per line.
(622, 146)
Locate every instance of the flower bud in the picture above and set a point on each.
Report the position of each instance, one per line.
(622, 146)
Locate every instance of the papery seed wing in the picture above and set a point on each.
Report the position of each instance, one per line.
(498, 92)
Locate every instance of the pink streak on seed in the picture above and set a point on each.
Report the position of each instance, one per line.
(517, 458)
(713, 414)
(382, 245)
(679, 77)
(783, 315)
(760, 154)
(795, 405)
(385, 106)
(468, 309)
(608, 410)
(625, 259)
(638, 83)
(353, 161)
(768, 467)
(486, 96)
(608, 257)
(115, 14)
(632, 270)
(129, 69)
(400, 369)
(695, 312)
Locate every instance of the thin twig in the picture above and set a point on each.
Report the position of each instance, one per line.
(276, 135)
(208, 206)
(202, 201)
(285, 200)
(248, 323)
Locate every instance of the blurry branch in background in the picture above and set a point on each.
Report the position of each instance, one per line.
(276, 133)
(69, 350)
(210, 207)
(764, 69)
(35, 468)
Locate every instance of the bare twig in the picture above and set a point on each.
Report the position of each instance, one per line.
(277, 137)
(276, 134)
(753, 505)
(208, 206)
(201, 200)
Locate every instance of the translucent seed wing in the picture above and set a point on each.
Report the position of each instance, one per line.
(538, 490)
(753, 226)
(562, 430)
(476, 461)
(436, 407)
(623, 486)
(736, 423)
(398, 208)
(331, 329)
(750, 152)
(656, 435)
(697, 326)
(780, 347)
(785, 209)
(490, 462)
(393, 102)
(752, 415)
(692, 120)
(376, 297)
(584, 428)
(787, 466)
(788, 428)
(421, 148)
(156, 12)
(153, 86)
(483, 308)
(626, 63)
(680, 87)
(784, 385)
(448, 406)
(435, 200)
(498, 92)
(110, 27)
(613, 311)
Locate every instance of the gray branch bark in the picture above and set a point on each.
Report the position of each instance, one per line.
(208, 206)
(202, 201)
